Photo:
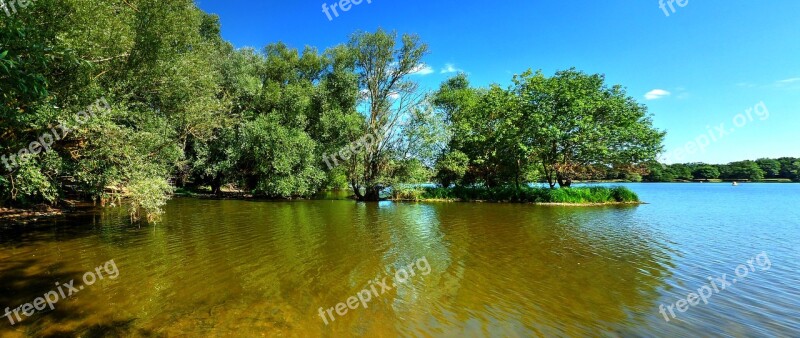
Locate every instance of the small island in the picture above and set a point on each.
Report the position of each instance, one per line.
(578, 196)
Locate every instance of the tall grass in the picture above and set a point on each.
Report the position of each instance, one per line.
(535, 195)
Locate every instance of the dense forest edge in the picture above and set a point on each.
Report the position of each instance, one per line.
(121, 103)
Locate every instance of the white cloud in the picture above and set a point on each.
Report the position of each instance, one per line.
(788, 81)
(450, 68)
(656, 94)
(422, 69)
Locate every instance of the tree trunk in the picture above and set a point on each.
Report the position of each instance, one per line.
(549, 176)
(356, 190)
(372, 191)
(216, 185)
(562, 182)
(373, 194)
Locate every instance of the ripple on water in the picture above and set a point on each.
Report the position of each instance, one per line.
(242, 268)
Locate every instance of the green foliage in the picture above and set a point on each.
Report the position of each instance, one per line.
(561, 128)
(451, 168)
(782, 168)
(770, 167)
(485, 145)
(383, 63)
(706, 172)
(633, 177)
(35, 180)
(405, 192)
(623, 194)
(790, 168)
(278, 161)
(743, 170)
(147, 196)
(574, 122)
(580, 195)
(155, 61)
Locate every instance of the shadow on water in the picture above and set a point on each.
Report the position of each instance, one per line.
(19, 286)
(30, 268)
(118, 328)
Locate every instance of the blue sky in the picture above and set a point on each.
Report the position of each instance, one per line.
(703, 64)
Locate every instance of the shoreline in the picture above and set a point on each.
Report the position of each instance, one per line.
(12, 215)
(21, 215)
(550, 204)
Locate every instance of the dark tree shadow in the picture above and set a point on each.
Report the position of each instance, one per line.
(119, 328)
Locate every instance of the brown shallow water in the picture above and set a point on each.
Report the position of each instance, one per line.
(245, 268)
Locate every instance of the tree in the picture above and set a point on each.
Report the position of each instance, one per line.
(659, 173)
(706, 172)
(745, 170)
(451, 167)
(790, 168)
(280, 160)
(574, 121)
(770, 167)
(389, 97)
(154, 61)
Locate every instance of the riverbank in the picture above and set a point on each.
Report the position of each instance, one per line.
(15, 215)
(579, 196)
(18, 215)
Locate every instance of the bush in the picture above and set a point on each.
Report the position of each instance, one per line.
(148, 196)
(407, 193)
(623, 194)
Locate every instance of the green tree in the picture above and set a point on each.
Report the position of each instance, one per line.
(745, 170)
(451, 167)
(770, 167)
(790, 168)
(573, 121)
(280, 160)
(389, 97)
(658, 172)
(706, 172)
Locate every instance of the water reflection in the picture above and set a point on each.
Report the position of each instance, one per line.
(246, 268)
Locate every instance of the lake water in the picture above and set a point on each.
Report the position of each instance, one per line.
(252, 269)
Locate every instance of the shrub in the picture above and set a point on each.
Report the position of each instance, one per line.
(623, 194)
(406, 193)
(149, 196)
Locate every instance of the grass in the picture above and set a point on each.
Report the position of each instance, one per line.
(581, 195)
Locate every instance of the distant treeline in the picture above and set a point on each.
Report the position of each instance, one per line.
(783, 168)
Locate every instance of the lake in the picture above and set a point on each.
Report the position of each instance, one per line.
(261, 268)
